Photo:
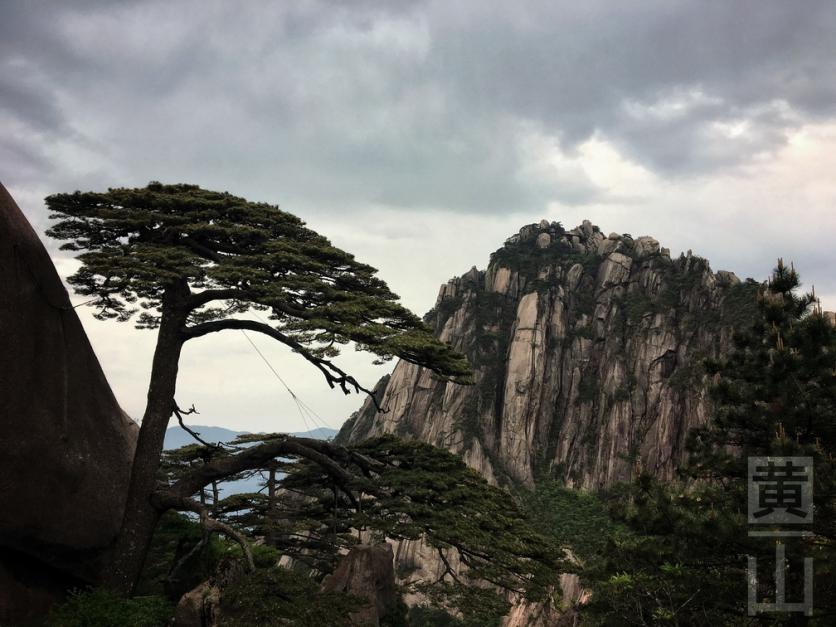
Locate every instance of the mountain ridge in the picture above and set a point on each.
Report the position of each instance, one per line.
(587, 353)
(176, 436)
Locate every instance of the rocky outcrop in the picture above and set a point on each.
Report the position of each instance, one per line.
(66, 444)
(367, 572)
(587, 352)
(199, 607)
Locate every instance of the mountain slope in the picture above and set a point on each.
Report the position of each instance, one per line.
(587, 353)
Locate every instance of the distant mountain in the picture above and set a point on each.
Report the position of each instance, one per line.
(175, 437)
(320, 433)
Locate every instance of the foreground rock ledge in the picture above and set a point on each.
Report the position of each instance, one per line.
(65, 444)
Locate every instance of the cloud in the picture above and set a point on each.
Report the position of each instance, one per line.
(432, 130)
(419, 105)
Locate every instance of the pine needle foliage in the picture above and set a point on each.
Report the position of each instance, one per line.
(236, 256)
(686, 558)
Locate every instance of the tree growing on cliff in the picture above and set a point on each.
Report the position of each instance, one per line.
(775, 395)
(414, 491)
(192, 262)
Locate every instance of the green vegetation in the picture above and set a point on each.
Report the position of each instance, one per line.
(637, 305)
(278, 596)
(588, 388)
(101, 608)
(475, 608)
(576, 519)
(687, 376)
(740, 305)
(428, 616)
(584, 302)
(622, 392)
(192, 262)
(682, 278)
(411, 491)
(443, 310)
(652, 553)
(173, 539)
(685, 560)
(582, 331)
(468, 419)
(527, 259)
(420, 491)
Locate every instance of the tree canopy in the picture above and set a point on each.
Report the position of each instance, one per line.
(398, 490)
(236, 257)
(192, 262)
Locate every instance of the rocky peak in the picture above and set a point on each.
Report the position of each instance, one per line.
(587, 353)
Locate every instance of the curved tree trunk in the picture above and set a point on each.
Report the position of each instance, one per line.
(272, 533)
(141, 517)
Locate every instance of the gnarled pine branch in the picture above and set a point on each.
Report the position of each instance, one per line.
(334, 375)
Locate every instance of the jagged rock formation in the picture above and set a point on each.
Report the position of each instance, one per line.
(66, 444)
(587, 353)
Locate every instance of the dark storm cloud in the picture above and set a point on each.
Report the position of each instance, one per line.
(421, 134)
(614, 67)
(411, 104)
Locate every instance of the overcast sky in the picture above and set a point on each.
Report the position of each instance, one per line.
(419, 135)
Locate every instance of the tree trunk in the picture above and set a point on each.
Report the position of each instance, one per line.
(272, 534)
(141, 517)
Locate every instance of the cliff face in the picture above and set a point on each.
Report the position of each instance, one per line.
(587, 354)
(66, 444)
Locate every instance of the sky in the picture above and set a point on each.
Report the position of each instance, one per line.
(420, 135)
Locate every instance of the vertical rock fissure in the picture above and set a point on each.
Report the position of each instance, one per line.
(586, 350)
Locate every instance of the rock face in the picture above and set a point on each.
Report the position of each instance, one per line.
(199, 607)
(587, 353)
(66, 444)
(367, 571)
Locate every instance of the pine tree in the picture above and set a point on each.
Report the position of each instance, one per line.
(685, 561)
(192, 262)
(413, 491)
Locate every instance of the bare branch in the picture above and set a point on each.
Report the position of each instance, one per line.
(447, 568)
(180, 413)
(175, 570)
(321, 453)
(334, 375)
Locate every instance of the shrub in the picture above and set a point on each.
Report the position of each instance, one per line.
(278, 596)
(102, 608)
